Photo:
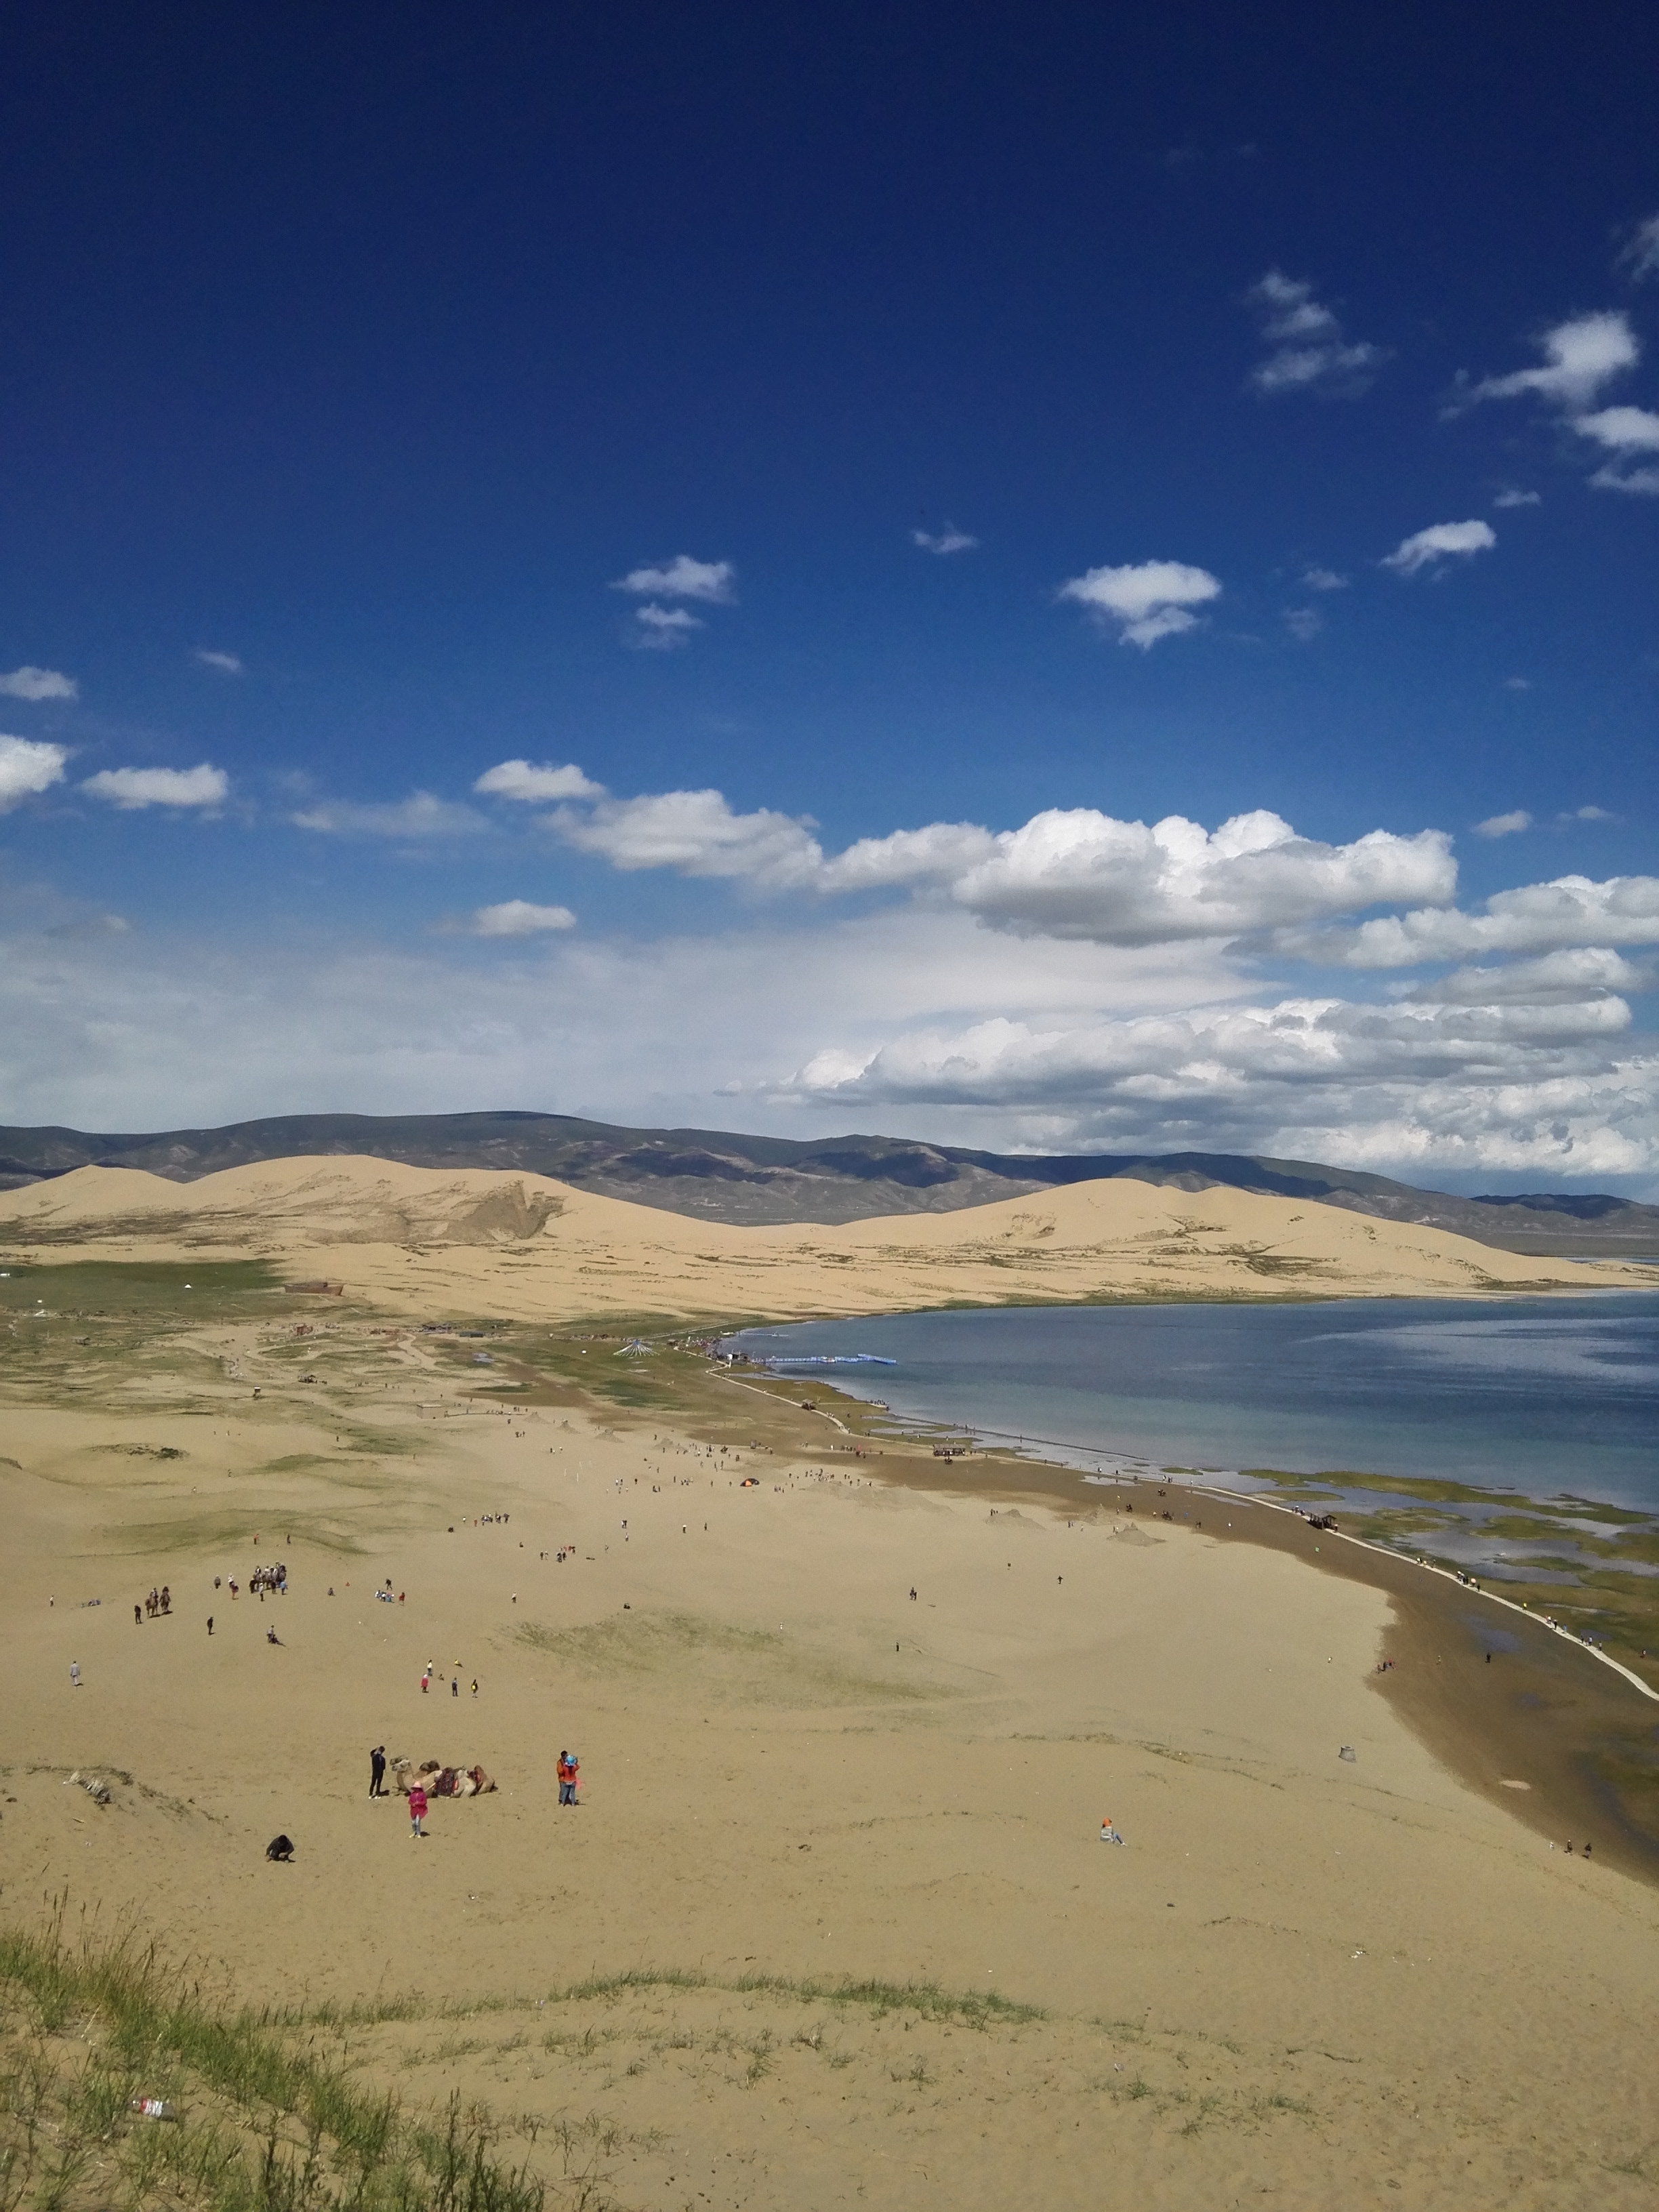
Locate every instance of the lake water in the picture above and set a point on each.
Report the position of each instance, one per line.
(1542, 1395)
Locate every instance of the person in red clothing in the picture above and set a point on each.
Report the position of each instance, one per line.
(568, 1771)
(416, 1810)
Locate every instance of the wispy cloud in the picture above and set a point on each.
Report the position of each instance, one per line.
(133, 789)
(517, 918)
(39, 683)
(1441, 541)
(1625, 432)
(534, 784)
(948, 540)
(1580, 357)
(682, 578)
(226, 663)
(1640, 258)
(1518, 499)
(420, 816)
(1146, 600)
(1324, 580)
(663, 629)
(1587, 814)
(27, 768)
(1304, 623)
(1505, 825)
(1309, 351)
(697, 833)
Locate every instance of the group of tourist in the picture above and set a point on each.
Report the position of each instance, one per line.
(158, 1603)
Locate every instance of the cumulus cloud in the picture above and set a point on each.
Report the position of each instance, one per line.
(224, 663)
(27, 768)
(534, 784)
(28, 683)
(1518, 499)
(682, 578)
(1308, 350)
(132, 789)
(1552, 1085)
(1580, 357)
(1074, 873)
(421, 815)
(1588, 814)
(1570, 911)
(1324, 580)
(1503, 826)
(948, 540)
(1588, 971)
(698, 834)
(1439, 542)
(1146, 600)
(518, 918)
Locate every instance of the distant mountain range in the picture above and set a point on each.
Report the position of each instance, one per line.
(718, 1175)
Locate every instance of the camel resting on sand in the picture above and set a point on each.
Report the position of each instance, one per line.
(439, 1780)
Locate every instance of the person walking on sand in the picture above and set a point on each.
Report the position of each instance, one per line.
(426, 1681)
(210, 1623)
(75, 1672)
(567, 1765)
(416, 1811)
(377, 1772)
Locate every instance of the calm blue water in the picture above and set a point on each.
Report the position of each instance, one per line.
(1542, 1395)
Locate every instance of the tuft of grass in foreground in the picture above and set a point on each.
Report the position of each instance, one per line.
(263, 2124)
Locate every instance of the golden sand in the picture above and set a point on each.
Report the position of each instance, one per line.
(522, 1246)
(1305, 1982)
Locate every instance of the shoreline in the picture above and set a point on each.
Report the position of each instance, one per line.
(1534, 1714)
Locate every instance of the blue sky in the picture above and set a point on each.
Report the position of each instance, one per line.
(1023, 426)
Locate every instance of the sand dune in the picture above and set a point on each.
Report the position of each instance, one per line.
(524, 1246)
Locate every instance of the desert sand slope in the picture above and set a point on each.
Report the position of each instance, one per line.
(524, 1245)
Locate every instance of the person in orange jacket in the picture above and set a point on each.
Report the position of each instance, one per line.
(567, 1773)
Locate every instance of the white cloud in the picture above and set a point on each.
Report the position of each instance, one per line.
(535, 784)
(1586, 972)
(682, 578)
(1551, 1085)
(420, 815)
(1441, 541)
(1324, 580)
(948, 540)
(518, 918)
(1304, 623)
(1147, 600)
(1589, 814)
(27, 768)
(698, 834)
(1309, 351)
(28, 683)
(663, 629)
(1624, 430)
(226, 663)
(132, 789)
(1519, 499)
(1517, 683)
(1641, 255)
(1503, 826)
(1078, 873)
(1570, 911)
(1073, 873)
(1580, 357)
